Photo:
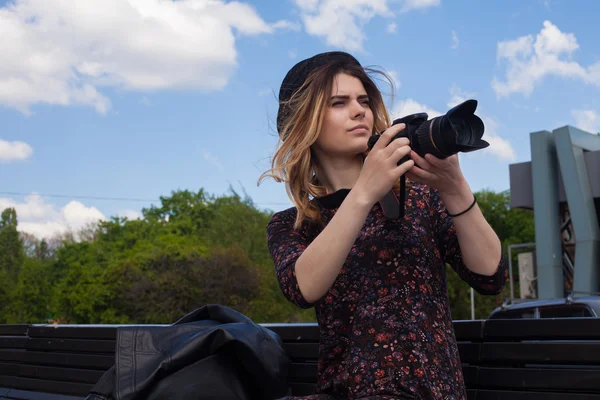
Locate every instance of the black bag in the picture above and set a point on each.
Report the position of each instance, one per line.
(213, 352)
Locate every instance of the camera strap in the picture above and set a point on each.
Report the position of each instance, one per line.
(393, 205)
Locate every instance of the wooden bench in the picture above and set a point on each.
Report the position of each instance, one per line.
(549, 359)
(502, 359)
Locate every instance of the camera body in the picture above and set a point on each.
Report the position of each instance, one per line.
(459, 130)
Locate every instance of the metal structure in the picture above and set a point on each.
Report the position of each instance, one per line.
(561, 185)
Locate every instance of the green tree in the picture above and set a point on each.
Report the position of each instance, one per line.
(512, 226)
(11, 246)
(29, 297)
(12, 255)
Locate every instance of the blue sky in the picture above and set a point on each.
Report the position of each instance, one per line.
(132, 99)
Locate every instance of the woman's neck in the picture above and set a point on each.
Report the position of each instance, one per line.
(337, 173)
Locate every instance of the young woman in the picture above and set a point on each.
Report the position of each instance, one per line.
(378, 285)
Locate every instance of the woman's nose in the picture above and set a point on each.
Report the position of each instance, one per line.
(358, 110)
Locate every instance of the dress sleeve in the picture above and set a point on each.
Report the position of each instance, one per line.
(450, 251)
(286, 245)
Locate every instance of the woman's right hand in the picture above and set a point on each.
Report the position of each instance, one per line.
(380, 170)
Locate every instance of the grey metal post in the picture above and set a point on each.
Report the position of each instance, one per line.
(472, 304)
(544, 172)
(510, 266)
(570, 143)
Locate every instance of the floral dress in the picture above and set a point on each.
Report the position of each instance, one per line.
(385, 325)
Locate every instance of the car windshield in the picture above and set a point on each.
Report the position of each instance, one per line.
(514, 314)
(571, 311)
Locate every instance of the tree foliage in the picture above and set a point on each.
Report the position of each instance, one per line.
(513, 226)
(190, 250)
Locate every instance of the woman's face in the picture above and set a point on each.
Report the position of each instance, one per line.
(348, 121)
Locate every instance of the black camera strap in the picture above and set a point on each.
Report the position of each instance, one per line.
(392, 205)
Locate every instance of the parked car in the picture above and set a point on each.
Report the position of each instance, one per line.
(568, 307)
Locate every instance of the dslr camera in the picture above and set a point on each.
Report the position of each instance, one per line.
(459, 130)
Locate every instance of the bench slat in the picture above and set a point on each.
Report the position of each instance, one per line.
(59, 374)
(541, 352)
(13, 342)
(91, 361)
(548, 328)
(468, 330)
(14, 330)
(303, 372)
(38, 385)
(302, 389)
(540, 378)
(15, 355)
(469, 352)
(514, 395)
(295, 332)
(74, 332)
(14, 394)
(72, 345)
(470, 374)
(302, 351)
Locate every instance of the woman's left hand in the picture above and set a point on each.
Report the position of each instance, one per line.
(444, 175)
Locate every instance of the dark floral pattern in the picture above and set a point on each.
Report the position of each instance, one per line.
(385, 325)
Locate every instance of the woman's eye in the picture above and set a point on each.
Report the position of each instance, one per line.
(337, 103)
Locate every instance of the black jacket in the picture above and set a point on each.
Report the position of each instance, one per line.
(214, 352)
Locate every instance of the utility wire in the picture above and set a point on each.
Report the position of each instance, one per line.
(66, 196)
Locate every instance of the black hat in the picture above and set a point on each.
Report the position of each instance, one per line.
(296, 76)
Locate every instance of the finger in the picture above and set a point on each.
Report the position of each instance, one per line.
(398, 153)
(422, 174)
(403, 168)
(395, 145)
(420, 161)
(387, 136)
(435, 161)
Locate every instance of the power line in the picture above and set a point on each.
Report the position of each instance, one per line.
(67, 196)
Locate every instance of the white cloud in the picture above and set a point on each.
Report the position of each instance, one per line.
(410, 106)
(587, 120)
(391, 28)
(130, 214)
(499, 147)
(44, 220)
(14, 151)
(409, 5)
(64, 52)
(340, 22)
(394, 75)
(530, 59)
(455, 41)
(457, 96)
(213, 160)
(283, 24)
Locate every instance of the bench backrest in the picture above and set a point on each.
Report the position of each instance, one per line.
(501, 359)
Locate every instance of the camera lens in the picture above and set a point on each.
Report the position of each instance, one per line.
(464, 132)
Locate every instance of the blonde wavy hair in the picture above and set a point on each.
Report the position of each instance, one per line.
(294, 162)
